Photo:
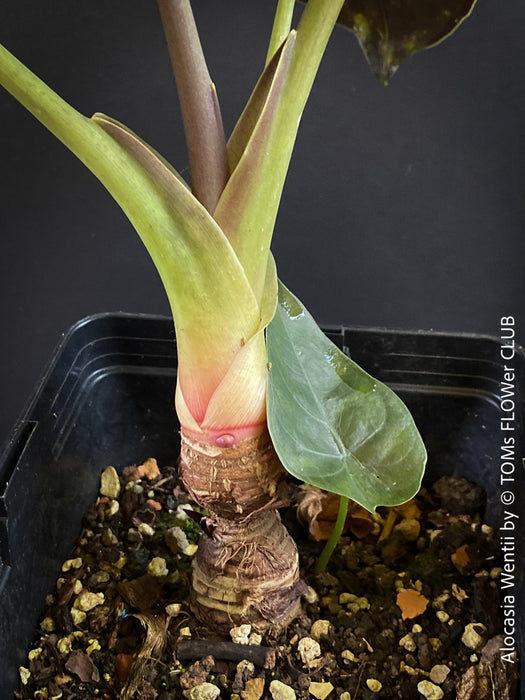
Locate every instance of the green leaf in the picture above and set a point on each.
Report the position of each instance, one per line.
(213, 305)
(389, 32)
(332, 424)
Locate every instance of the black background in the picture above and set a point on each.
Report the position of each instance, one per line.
(404, 206)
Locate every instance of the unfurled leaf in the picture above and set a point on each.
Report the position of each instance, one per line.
(331, 423)
(389, 31)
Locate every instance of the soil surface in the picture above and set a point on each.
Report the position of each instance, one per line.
(408, 608)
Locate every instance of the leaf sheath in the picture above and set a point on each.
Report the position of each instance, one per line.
(332, 424)
(201, 114)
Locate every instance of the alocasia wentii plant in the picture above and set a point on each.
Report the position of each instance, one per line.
(253, 394)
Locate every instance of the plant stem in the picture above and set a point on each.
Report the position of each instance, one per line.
(201, 115)
(246, 569)
(315, 27)
(281, 26)
(107, 160)
(248, 207)
(329, 547)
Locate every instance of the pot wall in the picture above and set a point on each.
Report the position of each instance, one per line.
(107, 398)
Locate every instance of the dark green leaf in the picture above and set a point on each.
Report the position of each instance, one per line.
(332, 424)
(390, 31)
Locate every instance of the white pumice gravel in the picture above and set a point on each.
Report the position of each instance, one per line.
(109, 483)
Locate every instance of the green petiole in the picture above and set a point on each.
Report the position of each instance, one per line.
(331, 544)
(281, 26)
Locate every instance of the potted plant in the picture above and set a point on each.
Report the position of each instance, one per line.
(229, 217)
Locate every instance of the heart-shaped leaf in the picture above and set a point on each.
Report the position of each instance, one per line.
(332, 424)
(389, 32)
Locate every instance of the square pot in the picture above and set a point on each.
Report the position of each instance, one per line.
(107, 398)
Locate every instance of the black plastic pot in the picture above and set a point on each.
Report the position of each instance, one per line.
(107, 398)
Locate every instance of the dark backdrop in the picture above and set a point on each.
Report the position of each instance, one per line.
(404, 206)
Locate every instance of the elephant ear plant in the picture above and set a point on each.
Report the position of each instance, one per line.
(259, 385)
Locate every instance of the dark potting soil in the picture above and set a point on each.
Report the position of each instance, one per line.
(409, 607)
